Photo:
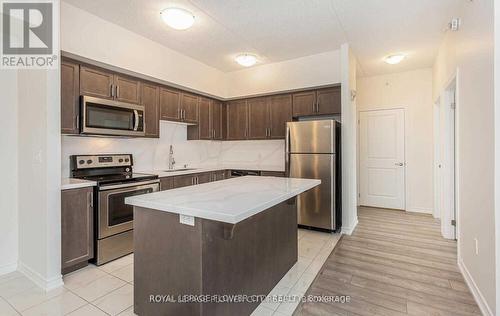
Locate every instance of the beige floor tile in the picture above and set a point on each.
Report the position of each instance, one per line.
(304, 282)
(60, 305)
(32, 297)
(88, 310)
(262, 311)
(309, 249)
(6, 309)
(128, 312)
(315, 266)
(99, 287)
(117, 301)
(126, 273)
(293, 275)
(82, 277)
(288, 307)
(273, 299)
(117, 264)
(15, 286)
(10, 276)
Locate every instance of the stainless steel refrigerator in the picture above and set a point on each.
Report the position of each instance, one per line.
(313, 152)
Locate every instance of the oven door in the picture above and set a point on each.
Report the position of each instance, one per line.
(108, 117)
(114, 215)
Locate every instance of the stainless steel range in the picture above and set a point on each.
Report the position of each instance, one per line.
(113, 218)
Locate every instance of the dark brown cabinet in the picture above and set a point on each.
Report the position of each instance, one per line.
(237, 120)
(70, 97)
(318, 102)
(166, 183)
(77, 228)
(280, 112)
(272, 174)
(210, 120)
(220, 175)
(184, 181)
(204, 177)
(127, 89)
(258, 118)
(189, 108)
(150, 99)
(217, 119)
(170, 104)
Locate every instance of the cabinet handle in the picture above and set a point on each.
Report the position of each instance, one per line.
(117, 91)
(197, 180)
(112, 90)
(91, 200)
(317, 107)
(183, 114)
(78, 122)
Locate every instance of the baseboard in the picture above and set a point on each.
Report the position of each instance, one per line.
(8, 268)
(478, 296)
(420, 210)
(41, 282)
(347, 230)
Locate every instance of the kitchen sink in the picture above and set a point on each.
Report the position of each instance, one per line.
(177, 170)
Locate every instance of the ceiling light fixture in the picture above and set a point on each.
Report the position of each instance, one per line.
(177, 18)
(246, 60)
(394, 59)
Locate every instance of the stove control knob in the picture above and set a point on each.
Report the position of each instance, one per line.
(81, 162)
(120, 160)
(89, 161)
(128, 169)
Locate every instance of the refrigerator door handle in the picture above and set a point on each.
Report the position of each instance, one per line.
(287, 152)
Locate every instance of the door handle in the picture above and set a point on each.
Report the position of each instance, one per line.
(136, 120)
(399, 164)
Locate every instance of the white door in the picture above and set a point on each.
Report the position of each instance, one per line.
(382, 158)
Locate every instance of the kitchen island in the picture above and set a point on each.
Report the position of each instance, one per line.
(199, 246)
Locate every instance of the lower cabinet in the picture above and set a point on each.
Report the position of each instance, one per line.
(166, 183)
(77, 228)
(272, 174)
(184, 181)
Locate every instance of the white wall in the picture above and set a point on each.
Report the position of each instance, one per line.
(152, 154)
(349, 141)
(309, 71)
(412, 91)
(471, 51)
(89, 36)
(497, 149)
(8, 159)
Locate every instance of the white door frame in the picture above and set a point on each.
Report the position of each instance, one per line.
(405, 149)
(446, 186)
(436, 212)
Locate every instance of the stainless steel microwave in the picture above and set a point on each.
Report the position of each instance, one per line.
(109, 117)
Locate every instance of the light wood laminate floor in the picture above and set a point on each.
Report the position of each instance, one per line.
(395, 263)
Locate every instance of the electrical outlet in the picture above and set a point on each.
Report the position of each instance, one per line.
(476, 244)
(186, 220)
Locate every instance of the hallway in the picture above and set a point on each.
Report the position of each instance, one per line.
(394, 263)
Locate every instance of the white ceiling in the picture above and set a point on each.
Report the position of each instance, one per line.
(277, 30)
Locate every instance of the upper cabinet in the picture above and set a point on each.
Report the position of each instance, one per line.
(170, 104)
(189, 108)
(100, 83)
(151, 100)
(210, 121)
(258, 118)
(237, 120)
(318, 102)
(280, 112)
(70, 97)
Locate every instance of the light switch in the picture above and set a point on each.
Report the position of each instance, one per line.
(186, 220)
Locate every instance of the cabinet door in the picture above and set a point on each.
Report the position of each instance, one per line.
(280, 112)
(189, 104)
(169, 104)
(77, 228)
(204, 177)
(258, 118)
(70, 98)
(183, 181)
(127, 89)
(150, 97)
(96, 83)
(304, 103)
(220, 175)
(204, 120)
(166, 183)
(272, 174)
(237, 128)
(216, 119)
(329, 101)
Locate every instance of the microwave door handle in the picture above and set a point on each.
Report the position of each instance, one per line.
(136, 120)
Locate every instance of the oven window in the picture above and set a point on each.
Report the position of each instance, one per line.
(118, 211)
(102, 116)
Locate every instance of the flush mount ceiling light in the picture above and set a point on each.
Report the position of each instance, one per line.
(246, 60)
(394, 59)
(177, 18)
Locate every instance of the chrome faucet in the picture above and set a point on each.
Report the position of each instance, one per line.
(171, 159)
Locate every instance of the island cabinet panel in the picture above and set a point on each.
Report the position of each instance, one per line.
(258, 118)
(329, 101)
(166, 183)
(127, 89)
(151, 101)
(280, 112)
(170, 104)
(189, 108)
(70, 97)
(237, 120)
(96, 82)
(210, 258)
(77, 228)
(304, 103)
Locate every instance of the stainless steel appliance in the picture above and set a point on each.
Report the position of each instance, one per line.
(109, 117)
(313, 152)
(113, 218)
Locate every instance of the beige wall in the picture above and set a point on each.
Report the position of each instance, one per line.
(412, 91)
(471, 51)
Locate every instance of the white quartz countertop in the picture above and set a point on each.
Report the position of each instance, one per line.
(230, 201)
(164, 173)
(71, 183)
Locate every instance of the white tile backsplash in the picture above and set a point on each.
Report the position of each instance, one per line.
(152, 154)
